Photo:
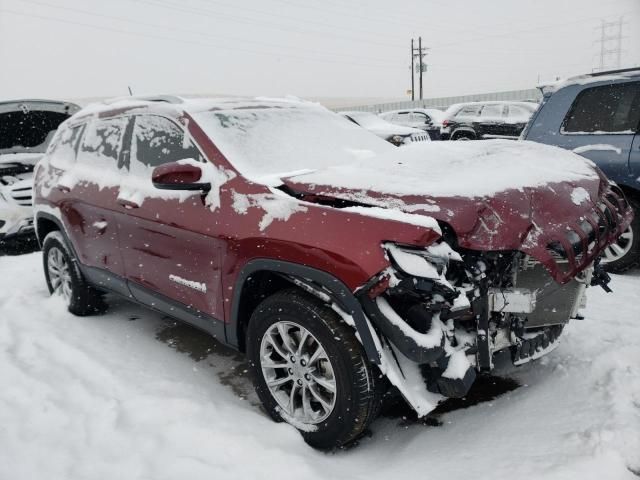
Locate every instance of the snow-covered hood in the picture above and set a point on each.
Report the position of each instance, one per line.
(393, 130)
(495, 194)
(19, 158)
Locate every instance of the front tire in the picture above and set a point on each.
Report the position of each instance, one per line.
(625, 253)
(310, 371)
(65, 279)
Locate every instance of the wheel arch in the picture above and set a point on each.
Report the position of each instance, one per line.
(270, 276)
(463, 132)
(46, 223)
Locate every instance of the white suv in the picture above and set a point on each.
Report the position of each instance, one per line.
(26, 126)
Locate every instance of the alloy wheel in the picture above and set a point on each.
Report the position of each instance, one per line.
(620, 248)
(59, 274)
(298, 373)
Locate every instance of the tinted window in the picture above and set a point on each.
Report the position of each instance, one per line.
(609, 108)
(103, 140)
(158, 140)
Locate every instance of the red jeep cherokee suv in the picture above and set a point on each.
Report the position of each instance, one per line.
(339, 264)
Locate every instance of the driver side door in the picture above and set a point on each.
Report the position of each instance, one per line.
(171, 253)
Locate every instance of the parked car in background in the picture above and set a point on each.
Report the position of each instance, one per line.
(483, 120)
(26, 127)
(330, 257)
(395, 134)
(427, 119)
(598, 116)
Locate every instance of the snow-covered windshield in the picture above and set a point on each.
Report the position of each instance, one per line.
(367, 120)
(265, 142)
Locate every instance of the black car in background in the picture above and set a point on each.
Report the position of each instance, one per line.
(482, 120)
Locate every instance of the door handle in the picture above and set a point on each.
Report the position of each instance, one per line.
(127, 203)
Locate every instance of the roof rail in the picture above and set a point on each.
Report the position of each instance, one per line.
(161, 98)
(173, 99)
(611, 72)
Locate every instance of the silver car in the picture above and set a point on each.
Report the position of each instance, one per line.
(26, 127)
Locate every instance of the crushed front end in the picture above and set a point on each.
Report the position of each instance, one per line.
(449, 310)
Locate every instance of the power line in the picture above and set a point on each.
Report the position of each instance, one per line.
(261, 23)
(190, 31)
(192, 42)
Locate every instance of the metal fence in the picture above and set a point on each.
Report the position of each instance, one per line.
(446, 102)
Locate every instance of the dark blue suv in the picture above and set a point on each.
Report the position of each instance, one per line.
(598, 116)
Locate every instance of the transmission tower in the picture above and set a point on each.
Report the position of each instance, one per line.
(610, 44)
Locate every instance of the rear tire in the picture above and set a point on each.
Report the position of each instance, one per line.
(630, 246)
(463, 136)
(357, 383)
(65, 279)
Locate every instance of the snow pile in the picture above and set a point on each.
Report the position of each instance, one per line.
(449, 169)
(100, 397)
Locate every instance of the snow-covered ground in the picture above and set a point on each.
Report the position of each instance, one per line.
(130, 395)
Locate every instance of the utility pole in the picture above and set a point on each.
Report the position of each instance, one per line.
(420, 50)
(419, 54)
(610, 44)
(413, 90)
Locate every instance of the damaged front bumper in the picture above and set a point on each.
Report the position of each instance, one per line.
(448, 314)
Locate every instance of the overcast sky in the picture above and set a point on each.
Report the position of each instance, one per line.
(311, 48)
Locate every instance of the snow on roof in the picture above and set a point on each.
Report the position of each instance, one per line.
(178, 104)
(457, 106)
(588, 79)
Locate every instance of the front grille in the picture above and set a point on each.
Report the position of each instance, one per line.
(585, 238)
(22, 196)
(419, 137)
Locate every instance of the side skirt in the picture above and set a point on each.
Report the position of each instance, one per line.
(141, 295)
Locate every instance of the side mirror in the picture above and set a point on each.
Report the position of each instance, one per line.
(180, 175)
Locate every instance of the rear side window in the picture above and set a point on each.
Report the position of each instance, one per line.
(518, 112)
(607, 109)
(158, 140)
(469, 111)
(103, 141)
(491, 111)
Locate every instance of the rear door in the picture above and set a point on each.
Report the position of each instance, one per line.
(491, 121)
(168, 238)
(516, 119)
(90, 190)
